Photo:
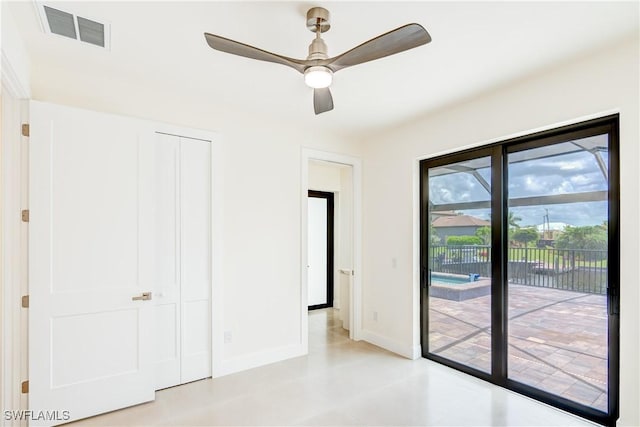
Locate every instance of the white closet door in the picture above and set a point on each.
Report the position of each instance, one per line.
(317, 251)
(165, 225)
(182, 256)
(195, 255)
(89, 342)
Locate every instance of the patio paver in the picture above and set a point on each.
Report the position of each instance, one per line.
(557, 339)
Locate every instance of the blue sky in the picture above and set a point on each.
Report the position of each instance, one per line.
(576, 172)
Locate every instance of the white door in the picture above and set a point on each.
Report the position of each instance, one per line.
(317, 251)
(89, 250)
(195, 256)
(165, 197)
(181, 195)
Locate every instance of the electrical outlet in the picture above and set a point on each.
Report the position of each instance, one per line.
(228, 337)
(375, 316)
(394, 262)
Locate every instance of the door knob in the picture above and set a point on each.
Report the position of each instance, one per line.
(145, 296)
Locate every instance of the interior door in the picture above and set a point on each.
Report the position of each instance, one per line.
(320, 250)
(181, 218)
(89, 327)
(165, 220)
(195, 255)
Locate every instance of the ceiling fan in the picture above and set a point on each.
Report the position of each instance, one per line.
(318, 68)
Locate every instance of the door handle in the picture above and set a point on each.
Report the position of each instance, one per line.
(145, 296)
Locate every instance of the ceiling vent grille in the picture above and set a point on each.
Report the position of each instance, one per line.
(62, 23)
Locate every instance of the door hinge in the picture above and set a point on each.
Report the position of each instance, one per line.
(25, 215)
(25, 387)
(25, 129)
(25, 301)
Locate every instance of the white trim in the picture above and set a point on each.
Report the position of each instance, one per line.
(415, 308)
(12, 254)
(355, 298)
(217, 288)
(10, 81)
(409, 351)
(254, 360)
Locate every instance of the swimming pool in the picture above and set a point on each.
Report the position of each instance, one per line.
(449, 280)
(457, 287)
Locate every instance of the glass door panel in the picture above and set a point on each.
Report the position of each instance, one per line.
(459, 262)
(557, 268)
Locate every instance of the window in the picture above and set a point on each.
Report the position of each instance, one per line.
(520, 265)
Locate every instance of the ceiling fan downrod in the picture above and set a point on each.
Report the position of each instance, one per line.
(318, 23)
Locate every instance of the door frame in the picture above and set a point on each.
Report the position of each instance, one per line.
(355, 297)
(330, 246)
(14, 155)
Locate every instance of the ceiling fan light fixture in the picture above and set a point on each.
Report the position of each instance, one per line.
(318, 77)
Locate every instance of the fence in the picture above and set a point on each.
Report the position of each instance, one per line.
(569, 269)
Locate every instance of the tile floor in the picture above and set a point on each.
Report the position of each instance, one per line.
(340, 382)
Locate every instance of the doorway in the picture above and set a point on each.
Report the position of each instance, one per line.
(321, 249)
(339, 175)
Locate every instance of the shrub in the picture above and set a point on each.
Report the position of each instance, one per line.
(463, 240)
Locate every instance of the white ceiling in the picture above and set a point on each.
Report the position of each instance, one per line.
(159, 48)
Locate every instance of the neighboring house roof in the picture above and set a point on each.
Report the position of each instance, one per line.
(459, 221)
(444, 213)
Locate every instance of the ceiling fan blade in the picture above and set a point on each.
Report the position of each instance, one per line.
(236, 48)
(322, 100)
(395, 41)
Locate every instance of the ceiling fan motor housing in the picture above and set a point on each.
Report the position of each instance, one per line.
(317, 49)
(318, 18)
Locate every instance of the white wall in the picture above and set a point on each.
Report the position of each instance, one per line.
(602, 82)
(324, 176)
(14, 56)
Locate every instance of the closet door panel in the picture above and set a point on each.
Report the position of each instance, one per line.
(195, 250)
(164, 223)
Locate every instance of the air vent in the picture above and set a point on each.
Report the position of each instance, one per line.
(66, 24)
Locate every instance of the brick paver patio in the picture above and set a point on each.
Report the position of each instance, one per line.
(557, 339)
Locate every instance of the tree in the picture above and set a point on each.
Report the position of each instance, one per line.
(589, 237)
(513, 220)
(525, 235)
(433, 236)
(485, 234)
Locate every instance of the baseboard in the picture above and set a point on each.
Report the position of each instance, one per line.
(409, 351)
(417, 352)
(254, 360)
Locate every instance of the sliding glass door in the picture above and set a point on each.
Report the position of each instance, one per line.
(520, 265)
(459, 262)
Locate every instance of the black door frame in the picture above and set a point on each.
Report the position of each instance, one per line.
(499, 241)
(330, 246)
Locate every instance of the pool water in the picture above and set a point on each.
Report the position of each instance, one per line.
(437, 279)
